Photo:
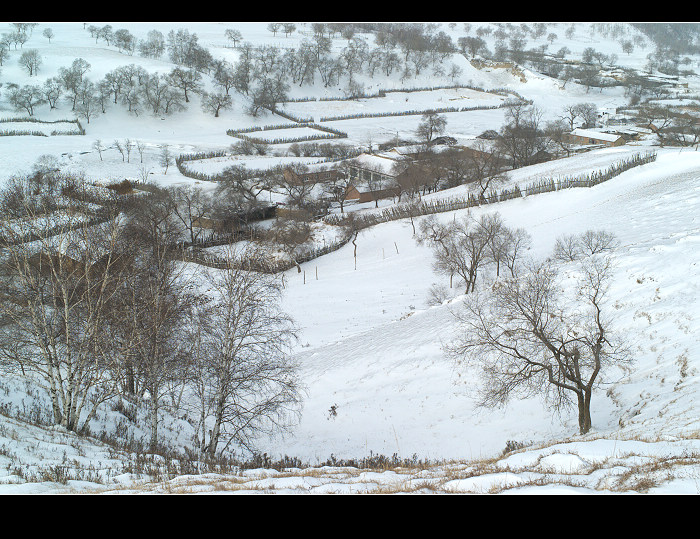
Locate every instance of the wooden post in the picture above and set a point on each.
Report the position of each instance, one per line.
(317, 273)
(304, 276)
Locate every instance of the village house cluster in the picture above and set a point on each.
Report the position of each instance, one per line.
(373, 176)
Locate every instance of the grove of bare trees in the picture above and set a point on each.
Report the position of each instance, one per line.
(95, 309)
(465, 247)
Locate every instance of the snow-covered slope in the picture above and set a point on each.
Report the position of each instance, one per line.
(371, 346)
(419, 405)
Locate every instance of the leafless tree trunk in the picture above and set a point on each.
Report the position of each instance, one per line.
(190, 206)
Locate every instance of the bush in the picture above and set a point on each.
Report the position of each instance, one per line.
(125, 187)
(512, 445)
(437, 294)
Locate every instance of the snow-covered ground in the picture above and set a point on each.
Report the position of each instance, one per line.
(371, 346)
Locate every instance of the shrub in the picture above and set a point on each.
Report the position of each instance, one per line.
(125, 187)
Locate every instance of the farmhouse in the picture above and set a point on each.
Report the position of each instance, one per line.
(386, 175)
(298, 178)
(376, 169)
(377, 176)
(588, 136)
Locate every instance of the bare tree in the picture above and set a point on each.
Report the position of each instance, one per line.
(495, 230)
(461, 247)
(30, 60)
(298, 187)
(233, 35)
(483, 164)
(431, 125)
(237, 188)
(99, 147)
(246, 382)
(52, 91)
(141, 147)
(216, 102)
(527, 339)
(338, 187)
(521, 138)
(26, 98)
(120, 148)
(572, 247)
(128, 147)
(158, 302)
(88, 104)
(185, 79)
(153, 46)
(515, 243)
(288, 28)
(191, 206)
(588, 112)
(274, 27)
(48, 34)
(166, 157)
(57, 293)
(437, 235)
(558, 131)
(72, 78)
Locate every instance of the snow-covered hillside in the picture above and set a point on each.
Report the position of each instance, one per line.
(372, 348)
(371, 345)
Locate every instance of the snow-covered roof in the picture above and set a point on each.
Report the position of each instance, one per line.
(382, 163)
(403, 150)
(589, 133)
(630, 130)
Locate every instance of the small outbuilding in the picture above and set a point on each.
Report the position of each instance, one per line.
(588, 136)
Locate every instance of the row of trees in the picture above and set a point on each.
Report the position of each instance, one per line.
(131, 86)
(94, 314)
(266, 72)
(673, 126)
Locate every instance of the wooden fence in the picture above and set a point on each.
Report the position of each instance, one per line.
(407, 210)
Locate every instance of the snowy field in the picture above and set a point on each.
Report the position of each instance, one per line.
(396, 102)
(371, 347)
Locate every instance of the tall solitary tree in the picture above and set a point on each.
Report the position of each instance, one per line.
(431, 125)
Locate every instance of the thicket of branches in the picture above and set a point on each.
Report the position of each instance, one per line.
(102, 313)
